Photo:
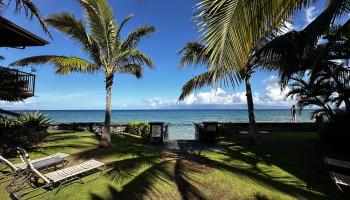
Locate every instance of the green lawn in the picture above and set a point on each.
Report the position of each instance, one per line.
(287, 166)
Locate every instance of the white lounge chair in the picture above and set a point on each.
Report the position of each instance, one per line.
(337, 163)
(338, 178)
(56, 178)
(41, 163)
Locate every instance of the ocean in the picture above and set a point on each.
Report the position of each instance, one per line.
(181, 121)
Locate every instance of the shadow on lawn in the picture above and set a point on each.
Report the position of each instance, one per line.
(179, 170)
(301, 158)
(166, 170)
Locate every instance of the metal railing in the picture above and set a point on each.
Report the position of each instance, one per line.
(18, 82)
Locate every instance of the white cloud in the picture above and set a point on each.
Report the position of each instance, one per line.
(158, 102)
(271, 96)
(310, 14)
(26, 104)
(216, 96)
(273, 91)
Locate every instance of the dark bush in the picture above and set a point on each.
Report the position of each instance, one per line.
(138, 128)
(335, 134)
(23, 131)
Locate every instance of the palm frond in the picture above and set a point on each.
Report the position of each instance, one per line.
(30, 10)
(298, 51)
(101, 21)
(77, 31)
(233, 28)
(122, 24)
(133, 69)
(133, 39)
(132, 56)
(64, 64)
(193, 54)
(209, 78)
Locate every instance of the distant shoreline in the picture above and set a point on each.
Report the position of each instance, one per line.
(238, 109)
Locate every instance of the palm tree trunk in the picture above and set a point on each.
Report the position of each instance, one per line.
(106, 136)
(253, 128)
(347, 104)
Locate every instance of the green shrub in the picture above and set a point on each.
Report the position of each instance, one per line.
(138, 128)
(23, 131)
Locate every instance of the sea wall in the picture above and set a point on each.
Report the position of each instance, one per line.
(236, 126)
(276, 126)
(87, 126)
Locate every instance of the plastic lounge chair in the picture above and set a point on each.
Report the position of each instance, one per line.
(41, 163)
(337, 163)
(338, 178)
(53, 179)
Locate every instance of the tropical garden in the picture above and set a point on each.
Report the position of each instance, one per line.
(236, 38)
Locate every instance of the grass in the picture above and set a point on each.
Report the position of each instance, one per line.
(288, 166)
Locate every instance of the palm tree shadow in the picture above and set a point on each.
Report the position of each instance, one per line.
(167, 171)
(179, 170)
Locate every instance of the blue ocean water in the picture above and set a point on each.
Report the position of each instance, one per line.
(181, 121)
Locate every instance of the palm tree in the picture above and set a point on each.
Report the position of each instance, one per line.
(328, 91)
(30, 11)
(103, 44)
(194, 54)
(233, 30)
(299, 51)
(297, 54)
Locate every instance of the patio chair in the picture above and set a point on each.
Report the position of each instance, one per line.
(339, 178)
(42, 163)
(337, 163)
(56, 179)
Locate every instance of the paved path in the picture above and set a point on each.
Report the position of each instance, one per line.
(178, 146)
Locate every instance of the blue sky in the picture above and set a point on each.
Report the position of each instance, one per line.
(158, 88)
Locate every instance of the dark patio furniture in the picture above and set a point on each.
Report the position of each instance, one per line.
(158, 132)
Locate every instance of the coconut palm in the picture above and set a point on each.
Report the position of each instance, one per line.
(30, 11)
(232, 30)
(108, 52)
(194, 54)
(297, 54)
(299, 51)
(328, 91)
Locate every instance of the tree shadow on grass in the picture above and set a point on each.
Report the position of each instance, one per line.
(301, 158)
(67, 137)
(178, 169)
(169, 171)
(123, 146)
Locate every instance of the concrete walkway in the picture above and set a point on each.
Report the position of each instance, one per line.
(182, 146)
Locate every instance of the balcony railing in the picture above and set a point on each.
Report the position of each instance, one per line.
(15, 84)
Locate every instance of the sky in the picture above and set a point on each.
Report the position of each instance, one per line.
(160, 87)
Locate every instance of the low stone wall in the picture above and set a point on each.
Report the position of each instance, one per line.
(276, 126)
(87, 126)
(236, 126)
